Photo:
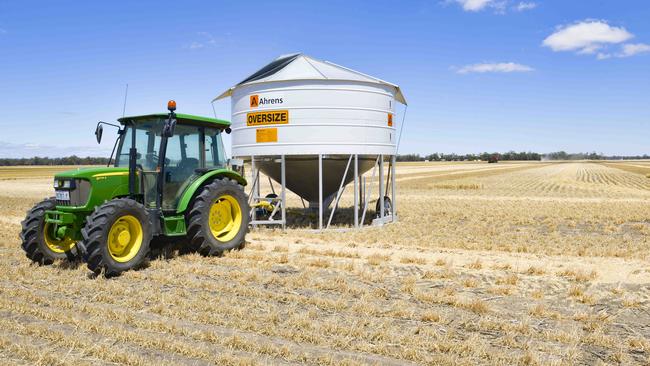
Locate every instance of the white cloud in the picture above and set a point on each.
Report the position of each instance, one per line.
(474, 5)
(627, 50)
(502, 67)
(586, 37)
(597, 37)
(208, 37)
(525, 5)
(632, 49)
(498, 6)
(603, 56)
(205, 40)
(196, 45)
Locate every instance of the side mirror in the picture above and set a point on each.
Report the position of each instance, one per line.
(168, 129)
(228, 130)
(98, 133)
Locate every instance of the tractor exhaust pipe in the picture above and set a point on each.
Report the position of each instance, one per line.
(133, 155)
(167, 132)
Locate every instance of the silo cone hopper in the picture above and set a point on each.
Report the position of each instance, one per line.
(302, 174)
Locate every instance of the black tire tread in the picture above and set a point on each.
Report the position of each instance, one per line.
(31, 229)
(200, 207)
(96, 229)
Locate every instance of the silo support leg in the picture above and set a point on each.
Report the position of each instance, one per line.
(381, 187)
(356, 190)
(392, 190)
(283, 193)
(254, 176)
(339, 192)
(369, 193)
(320, 192)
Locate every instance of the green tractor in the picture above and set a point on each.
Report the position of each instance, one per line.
(169, 178)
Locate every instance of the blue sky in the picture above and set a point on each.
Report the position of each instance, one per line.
(479, 75)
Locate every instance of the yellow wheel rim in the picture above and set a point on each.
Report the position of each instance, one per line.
(54, 244)
(225, 218)
(125, 238)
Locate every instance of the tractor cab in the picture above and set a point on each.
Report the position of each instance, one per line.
(194, 148)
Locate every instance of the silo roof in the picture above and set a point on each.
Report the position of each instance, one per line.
(301, 67)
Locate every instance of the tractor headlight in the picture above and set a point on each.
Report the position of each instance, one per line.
(63, 184)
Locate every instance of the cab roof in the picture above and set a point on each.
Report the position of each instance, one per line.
(184, 119)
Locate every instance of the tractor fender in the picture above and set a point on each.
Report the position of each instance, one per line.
(206, 178)
(121, 191)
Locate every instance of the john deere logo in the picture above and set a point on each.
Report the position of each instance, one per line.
(255, 101)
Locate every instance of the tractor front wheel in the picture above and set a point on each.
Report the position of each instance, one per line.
(39, 240)
(116, 237)
(218, 218)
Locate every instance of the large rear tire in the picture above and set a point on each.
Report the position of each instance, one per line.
(38, 239)
(116, 237)
(218, 218)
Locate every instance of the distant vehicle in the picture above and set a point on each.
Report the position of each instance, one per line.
(494, 158)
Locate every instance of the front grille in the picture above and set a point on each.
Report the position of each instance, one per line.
(78, 195)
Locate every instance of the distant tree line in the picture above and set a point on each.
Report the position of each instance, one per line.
(513, 155)
(510, 155)
(561, 155)
(507, 156)
(68, 160)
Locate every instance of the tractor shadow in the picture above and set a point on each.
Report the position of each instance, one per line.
(299, 218)
(167, 248)
(69, 264)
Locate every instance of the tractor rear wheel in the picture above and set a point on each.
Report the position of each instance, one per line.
(218, 218)
(38, 237)
(116, 236)
(388, 207)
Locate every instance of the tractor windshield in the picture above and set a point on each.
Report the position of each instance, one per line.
(190, 150)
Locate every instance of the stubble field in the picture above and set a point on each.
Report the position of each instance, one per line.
(509, 263)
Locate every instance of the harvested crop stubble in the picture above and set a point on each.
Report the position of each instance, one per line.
(545, 263)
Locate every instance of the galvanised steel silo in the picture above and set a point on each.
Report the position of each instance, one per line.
(319, 121)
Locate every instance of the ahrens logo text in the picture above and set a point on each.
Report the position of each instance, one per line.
(256, 101)
(267, 118)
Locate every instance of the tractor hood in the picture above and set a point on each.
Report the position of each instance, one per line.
(90, 187)
(87, 173)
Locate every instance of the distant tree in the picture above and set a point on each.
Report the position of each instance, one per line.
(409, 157)
(69, 160)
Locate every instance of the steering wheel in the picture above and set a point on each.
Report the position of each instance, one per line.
(152, 157)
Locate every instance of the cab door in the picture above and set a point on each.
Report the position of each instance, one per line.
(183, 157)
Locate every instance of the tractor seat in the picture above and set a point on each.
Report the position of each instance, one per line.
(186, 168)
(188, 164)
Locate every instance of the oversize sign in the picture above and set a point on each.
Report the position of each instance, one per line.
(267, 118)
